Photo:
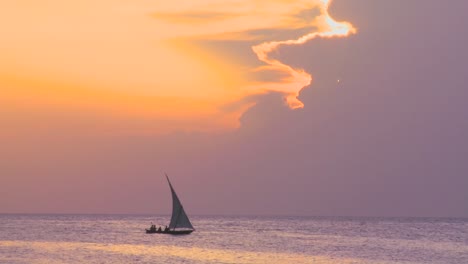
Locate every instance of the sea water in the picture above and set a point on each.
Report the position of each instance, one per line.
(228, 239)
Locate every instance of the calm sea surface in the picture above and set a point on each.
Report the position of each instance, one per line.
(271, 240)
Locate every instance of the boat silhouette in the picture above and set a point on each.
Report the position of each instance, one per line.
(180, 223)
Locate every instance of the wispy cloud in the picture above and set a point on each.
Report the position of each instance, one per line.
(292, 24)
(193, 17)
(184, 61)
(298, 78)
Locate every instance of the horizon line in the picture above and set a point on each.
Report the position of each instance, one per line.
(246, 215)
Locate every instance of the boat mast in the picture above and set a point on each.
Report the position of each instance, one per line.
(178, 213)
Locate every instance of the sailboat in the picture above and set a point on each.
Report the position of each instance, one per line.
(180, 223)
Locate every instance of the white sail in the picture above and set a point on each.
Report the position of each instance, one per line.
(179, 218)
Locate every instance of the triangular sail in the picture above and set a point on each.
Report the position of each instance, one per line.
(179, 218)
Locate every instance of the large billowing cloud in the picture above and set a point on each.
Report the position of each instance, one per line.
(190, 65)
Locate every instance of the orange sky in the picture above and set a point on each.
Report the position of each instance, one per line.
(98, 98)
(198, 64)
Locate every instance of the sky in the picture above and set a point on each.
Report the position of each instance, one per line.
(353, 107)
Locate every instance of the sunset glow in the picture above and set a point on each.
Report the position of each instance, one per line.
(326, 27)
(190, 62)
(233, 131)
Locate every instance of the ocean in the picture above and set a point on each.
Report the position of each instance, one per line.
(232, 239)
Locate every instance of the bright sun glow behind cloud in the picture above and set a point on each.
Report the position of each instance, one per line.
(165, 64)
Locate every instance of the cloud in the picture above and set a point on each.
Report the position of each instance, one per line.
(327, 27)
(197, 17)
(157, 61)
(308, 18)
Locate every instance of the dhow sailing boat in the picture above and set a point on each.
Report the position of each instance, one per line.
(180, 224)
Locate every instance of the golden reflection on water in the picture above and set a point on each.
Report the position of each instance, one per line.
(204, 255)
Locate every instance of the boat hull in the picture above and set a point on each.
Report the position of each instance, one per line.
(170, 232)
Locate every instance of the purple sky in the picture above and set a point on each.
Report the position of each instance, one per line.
(390, 139)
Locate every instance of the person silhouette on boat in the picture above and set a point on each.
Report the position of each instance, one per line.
(166, 229)
(159, 230)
